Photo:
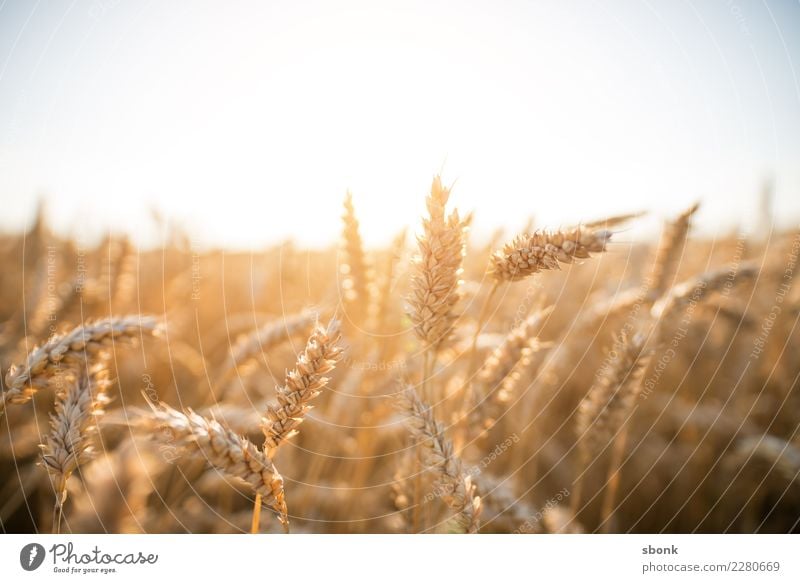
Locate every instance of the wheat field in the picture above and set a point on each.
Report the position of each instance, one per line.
(558, 380)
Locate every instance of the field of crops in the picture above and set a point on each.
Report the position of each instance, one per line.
(556, 380)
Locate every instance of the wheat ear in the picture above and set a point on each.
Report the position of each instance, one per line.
(496, 402)
(68, 351)
(436, 270)
(781, 455)
(612, 221)
(669, 252)
(226, 451)
(542, 250)
(357, 276)
(69, 444)
(697, 289)
(507, 355)
(385, 298)
(437, 452)
(301, 386)
(264, 339)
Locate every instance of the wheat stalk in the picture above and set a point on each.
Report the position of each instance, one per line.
(68, 351)
(401, 496)
(604, 410)
(437, 452)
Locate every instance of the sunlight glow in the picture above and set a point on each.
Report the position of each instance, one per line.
(248, 124)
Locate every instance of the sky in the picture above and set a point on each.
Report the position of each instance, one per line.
(246, 122)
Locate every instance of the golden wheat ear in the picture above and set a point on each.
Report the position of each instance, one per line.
(227, 452)
(670, 252)
(68, 352)
(458, 491)
(357, 276)
(436, 271)
(69, 444)
(302, 385)
(545, 250)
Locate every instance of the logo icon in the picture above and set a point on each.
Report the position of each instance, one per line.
(31, 556)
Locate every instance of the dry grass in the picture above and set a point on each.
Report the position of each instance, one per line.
(651, 388)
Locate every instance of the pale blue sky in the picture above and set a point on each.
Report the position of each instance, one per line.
(246, 121)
